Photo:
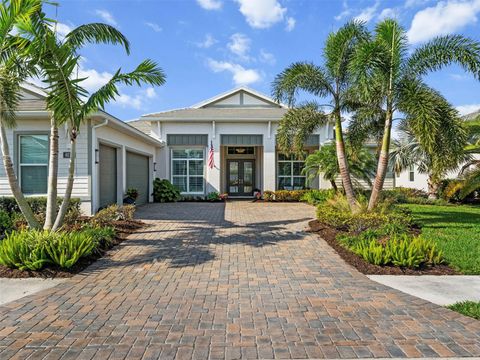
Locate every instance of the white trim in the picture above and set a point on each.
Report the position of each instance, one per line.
(187, 176)
(34, 89)
(233, 91)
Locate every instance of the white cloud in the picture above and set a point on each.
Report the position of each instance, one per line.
(150, 93)
(368, 13)
(444, 18)
(458, 77)
(128, 101)
(93, 78)
(209, 41)
(210, 4)
(468, 109)
(239, 45)
(267, 57)
(155, 27)
(346, 11)
(391, 13)
(262, 14)
(62, 29)
(290, 24)
(106, 16)
(241, 76)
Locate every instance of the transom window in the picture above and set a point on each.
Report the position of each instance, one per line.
(241, 150)
(187, 170)
(33, 163)
(289, 172)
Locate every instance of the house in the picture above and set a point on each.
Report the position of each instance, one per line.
(241, 126)
(112, 156)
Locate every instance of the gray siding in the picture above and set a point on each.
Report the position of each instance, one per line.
(187, 140)
(252, 140)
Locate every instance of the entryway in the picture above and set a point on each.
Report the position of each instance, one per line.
(240, 177)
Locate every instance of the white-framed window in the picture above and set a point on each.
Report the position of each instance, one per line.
(33, 163)
(188, 170)
(289, 172)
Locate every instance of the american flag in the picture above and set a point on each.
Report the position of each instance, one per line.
(211, 161)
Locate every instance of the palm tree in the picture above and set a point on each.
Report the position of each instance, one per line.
(408, 151)
(323, 162)
(72, 104)
(331, 81)
(387, 75)
(15, 67)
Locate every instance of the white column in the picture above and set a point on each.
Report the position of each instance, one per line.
(213, 175)
(269, 164)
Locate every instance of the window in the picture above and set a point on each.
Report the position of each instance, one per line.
(187, 170)
(411, 171)
(33, 163)
(289, 172)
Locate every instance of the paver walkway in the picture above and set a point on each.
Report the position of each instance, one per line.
(241, 280)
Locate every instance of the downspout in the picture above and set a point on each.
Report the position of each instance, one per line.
(94, 166)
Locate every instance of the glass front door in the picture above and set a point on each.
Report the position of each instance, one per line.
(241, 177)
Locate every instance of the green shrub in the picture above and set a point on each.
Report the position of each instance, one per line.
(213, 196)
(24, 250)
(106, 216)
(164, 191)
(65, 249)
(38, 204)
(400, 195)
(102, 236)
(132, 193)
(6, 223)
(315, 197)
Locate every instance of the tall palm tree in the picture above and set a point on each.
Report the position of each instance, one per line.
(72, 104)
(330, 81)
(384, 69)
(407, 151)
(323, 162)
(15, 67)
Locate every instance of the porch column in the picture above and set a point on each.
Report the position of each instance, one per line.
(213, 175)
(269, 163)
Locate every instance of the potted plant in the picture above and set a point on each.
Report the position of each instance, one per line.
(131, 196)
(257, 194)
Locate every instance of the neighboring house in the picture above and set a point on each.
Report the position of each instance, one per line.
(111, 156)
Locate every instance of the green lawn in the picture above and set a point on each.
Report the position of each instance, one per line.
(467, 308)
(456, 230)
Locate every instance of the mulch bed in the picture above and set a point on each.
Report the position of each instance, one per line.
(123, 229)
(329, 234)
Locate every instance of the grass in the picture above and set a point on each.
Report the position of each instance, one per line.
(467, 308)
(456, 230)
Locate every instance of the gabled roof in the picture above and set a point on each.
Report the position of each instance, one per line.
(471, 116)
(241, 89)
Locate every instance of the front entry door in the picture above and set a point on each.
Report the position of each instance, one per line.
(240, 177)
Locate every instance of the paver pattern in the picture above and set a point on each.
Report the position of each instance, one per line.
(217, 281)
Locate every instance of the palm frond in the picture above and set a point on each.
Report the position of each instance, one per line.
(96, 33)
(301, 76)
(443, 51)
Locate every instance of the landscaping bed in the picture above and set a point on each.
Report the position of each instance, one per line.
(67, 252)
(329, 234)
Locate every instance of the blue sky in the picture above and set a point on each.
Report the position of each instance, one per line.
(210, 46)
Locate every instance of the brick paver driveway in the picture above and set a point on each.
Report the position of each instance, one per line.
(215, 281)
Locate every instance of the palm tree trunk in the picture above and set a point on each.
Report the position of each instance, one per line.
(68, 190)
(342, 162)
(334, 185)
(432, 187)
(382, 163)
(52, 177)
(13, 181)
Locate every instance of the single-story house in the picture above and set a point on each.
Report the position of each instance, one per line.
(112, 156)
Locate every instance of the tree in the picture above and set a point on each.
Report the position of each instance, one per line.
(386, 75)
(408, 151)
(72, 104)
(324, 163)
(15, 67)
(332, 81)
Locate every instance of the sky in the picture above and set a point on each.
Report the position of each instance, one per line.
(207, 47)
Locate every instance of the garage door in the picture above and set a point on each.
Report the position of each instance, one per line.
(137, 176)
(108, 175)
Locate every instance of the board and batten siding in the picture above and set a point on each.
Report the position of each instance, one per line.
(31, 126)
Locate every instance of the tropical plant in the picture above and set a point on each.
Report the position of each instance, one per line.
(388, 80)
(65, 249)
(323, 162)
(68, 100)
(24, 250)
(407, 151)
(15, 67)
(332, 81)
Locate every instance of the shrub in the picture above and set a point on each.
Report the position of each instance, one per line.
(164, 191)
(38, 204)
(213, 196)
(6, 223)
(269, 195)
(401, 195)
(24, 250)
(65, 249)
(132, 193)
(102, 236)
(315, 197)
(106, 216)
